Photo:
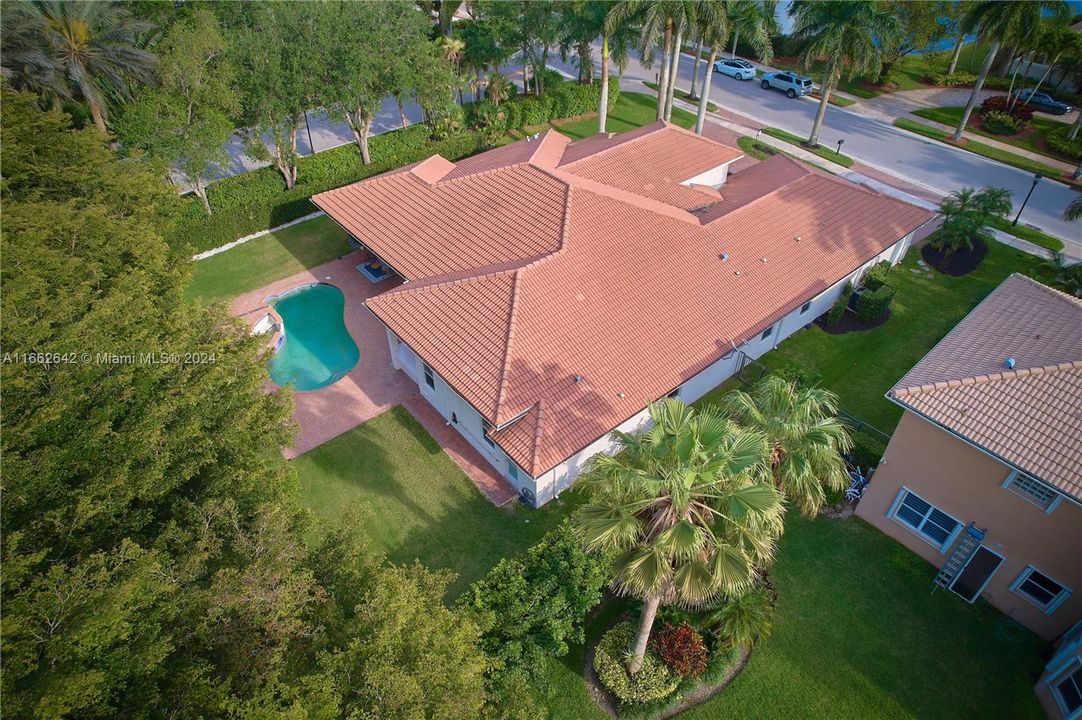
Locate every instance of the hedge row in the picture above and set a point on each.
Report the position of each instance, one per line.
(871, 304)
(968, 79)
(256, 200)
(1058, 141)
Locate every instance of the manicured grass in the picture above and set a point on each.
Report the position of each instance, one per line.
(1041, 127)
(861, 366)
(992, 153)
(1031, 234)
(391, 480)
(822, 151)
(632, 110)
(761, 151)
(685, 96)
(266, 259)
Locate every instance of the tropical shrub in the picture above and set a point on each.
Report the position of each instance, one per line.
(1059, 142)
(1001, 103)
(876, 276)
(955, 79)
(682, 649)
(1001, 123)
(871, 304)
(834, 315)
(535, 604)
(652, 682)
(742, 621)
(965, 214)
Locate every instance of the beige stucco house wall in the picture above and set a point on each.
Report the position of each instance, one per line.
(967, 484)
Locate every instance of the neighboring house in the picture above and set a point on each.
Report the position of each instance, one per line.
(983, 475)
(556, 288)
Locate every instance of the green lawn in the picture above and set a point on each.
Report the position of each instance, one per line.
(992, 153)
(1031, 234)
(266, 259)
(392, 480)
(1041, 127)
(860, 367)
(632, 110)
(685, 96)
(858, 634)
(822, 151)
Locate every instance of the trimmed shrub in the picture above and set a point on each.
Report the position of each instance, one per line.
(1001, 104)
(955, 79)
(876, 276)
(682, 649)
(535, 604)
(1058, 142)
(873, 303)
(1001, 123)
(834, 315)
(653, 682)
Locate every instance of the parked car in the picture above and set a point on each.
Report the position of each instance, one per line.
(1043, 102)
(789, 83)
(739, 69)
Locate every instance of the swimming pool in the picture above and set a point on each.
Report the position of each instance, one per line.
(315, 348)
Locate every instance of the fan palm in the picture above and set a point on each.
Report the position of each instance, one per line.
(745, 619)
(849, 34)
(686, 509)
(91, 46)
(1073, 211)
(805, 437)
(996, 21)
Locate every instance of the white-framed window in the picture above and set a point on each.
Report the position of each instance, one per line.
(430, 379)
(924, 519)
(1068, 690)
(767, 333)
(805, 307)
(512, 470)
(1032, 491)
(1043, 591)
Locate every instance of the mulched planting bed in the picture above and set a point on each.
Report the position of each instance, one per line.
(851, 323)
(959, 263)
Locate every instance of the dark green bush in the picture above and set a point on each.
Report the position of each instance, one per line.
(653, 682)
(955, 79)
(876, 276)
(1001, 123)
(1058, 142)
(834, 315)
(873, 303)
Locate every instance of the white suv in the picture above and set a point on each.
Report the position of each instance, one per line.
(790, 83)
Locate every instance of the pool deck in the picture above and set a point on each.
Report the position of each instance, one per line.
(372, 386)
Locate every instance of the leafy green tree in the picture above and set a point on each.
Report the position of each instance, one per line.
(805, 437)
(849, 35)
(996, 21)
(411, 656)
(581, 22)
(364, 49)
(952, 19)
(920, 24)
(277, 75)
(185, 120)
(688, 509)
(92, 47)
(966, 213)
(535, 604)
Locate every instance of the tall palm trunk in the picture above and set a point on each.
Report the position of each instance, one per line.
(985, 66)
(704, 96)
(1002, 64)
(736, 36)
(695, 68)
(603, 103)
(1073, 132)
(956, 54)
(663, 76)
(1016, 64)
(824, 99)
(674, 66)
(642, 635)
(1044, 76)
(1074, 176)
(93, 102)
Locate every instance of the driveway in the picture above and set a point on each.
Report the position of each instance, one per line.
(372, 386)
(889, 106)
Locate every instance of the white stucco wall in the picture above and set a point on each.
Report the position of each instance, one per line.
(715, 177)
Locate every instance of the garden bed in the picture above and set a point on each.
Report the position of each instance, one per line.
(960, 262)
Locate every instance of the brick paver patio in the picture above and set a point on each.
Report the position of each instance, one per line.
(372, 386)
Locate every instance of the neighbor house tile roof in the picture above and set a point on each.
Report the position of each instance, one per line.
(618, 292)
(1031, 415)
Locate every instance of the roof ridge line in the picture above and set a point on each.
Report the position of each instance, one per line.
(1048, 288)
(509, 337)
(984, 379)
(807, 174)
(627, 197)
(604, 150)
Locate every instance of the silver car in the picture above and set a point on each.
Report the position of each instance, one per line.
(739, 69)
(788, 82)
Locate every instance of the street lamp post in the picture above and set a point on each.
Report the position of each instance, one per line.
(1036, 179)
(311, 147)
(839, 152)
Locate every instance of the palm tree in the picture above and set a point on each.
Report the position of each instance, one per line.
(617, 38)
(849, 34)
(965, 213)
(997, 21)
(686, 508)
(745, 619)
(758, 21)
(24, 62)
(806, 438)
(89, 46)
(497, 88)
(1059, 40)
(657, 19)
(1073, 211)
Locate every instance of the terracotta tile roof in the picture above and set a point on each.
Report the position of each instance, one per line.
(620, 289)
(1030, 416)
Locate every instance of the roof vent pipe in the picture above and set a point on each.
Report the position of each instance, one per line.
(1008, 362)
(725, 257)
(578, 378)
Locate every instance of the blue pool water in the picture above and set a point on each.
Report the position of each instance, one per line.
(318, 349)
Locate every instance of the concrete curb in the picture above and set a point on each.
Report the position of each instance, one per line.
(253, 236)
